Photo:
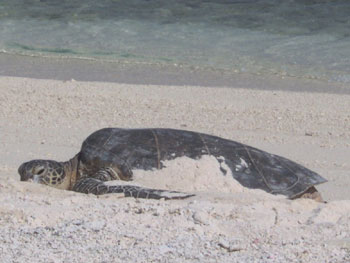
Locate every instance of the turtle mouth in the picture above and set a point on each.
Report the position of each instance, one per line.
(32, 178)
(25, 173)
(26, 176)
(22, 173)
(35, 179)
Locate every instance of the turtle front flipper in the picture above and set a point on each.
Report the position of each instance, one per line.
(98, 187)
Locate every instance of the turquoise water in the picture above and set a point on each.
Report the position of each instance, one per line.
(302, 38)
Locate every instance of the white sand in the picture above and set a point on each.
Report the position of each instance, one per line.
(188, 175)
(223, 223)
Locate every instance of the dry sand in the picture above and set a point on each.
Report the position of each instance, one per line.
(222, 223)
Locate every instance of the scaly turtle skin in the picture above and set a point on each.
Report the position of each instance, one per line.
(112, 154)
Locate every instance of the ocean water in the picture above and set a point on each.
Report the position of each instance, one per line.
(302, 38)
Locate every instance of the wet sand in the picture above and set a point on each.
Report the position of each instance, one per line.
(155, 74)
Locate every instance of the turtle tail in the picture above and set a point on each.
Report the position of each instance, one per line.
(97, 187)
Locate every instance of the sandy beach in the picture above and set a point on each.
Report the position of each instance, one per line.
(49, 119)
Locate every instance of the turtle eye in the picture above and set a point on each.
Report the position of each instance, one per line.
(40, 171)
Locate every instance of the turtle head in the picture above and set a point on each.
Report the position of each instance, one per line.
(43, 172)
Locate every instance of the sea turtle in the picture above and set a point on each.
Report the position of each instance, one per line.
(112, 154)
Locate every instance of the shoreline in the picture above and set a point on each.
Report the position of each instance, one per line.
(67, 69)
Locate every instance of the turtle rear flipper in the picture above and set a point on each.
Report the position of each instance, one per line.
(98, 187)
